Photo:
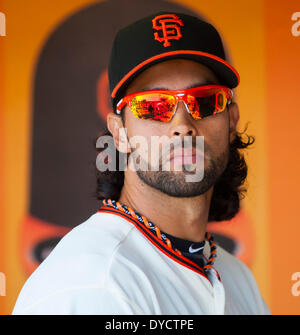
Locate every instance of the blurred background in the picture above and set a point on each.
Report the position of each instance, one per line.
(54, 100)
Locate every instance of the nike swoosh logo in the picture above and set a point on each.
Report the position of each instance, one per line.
(192, 250)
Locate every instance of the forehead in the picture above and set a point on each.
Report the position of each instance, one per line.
(173, 74)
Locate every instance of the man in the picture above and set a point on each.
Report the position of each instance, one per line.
(146, 251)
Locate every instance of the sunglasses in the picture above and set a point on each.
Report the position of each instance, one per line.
(161, 105)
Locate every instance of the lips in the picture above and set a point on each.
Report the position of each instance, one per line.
(186, 156)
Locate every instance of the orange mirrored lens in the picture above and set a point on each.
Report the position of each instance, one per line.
(206, 105)
(153, 106)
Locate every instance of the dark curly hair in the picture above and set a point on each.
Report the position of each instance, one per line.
(227, 193)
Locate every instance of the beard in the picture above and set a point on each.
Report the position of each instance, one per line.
(173, 183)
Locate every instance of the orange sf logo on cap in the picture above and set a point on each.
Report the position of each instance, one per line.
(170, 26)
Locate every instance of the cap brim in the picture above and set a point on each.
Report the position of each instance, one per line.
(227, 74)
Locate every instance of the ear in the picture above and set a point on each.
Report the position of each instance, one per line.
(116, 127)
(234, 116)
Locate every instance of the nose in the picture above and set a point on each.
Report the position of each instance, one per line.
(182, 123)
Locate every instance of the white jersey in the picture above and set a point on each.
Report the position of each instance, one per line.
(111, 265)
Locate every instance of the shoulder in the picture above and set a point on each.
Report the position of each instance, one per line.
(79, 262)
(101, 233)
(95, 239)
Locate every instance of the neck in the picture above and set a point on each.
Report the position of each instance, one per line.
(185, 218)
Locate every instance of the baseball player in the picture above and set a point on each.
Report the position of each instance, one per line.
(147, 249)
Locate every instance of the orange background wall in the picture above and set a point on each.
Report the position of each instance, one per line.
(2, 232)
(283, 107)
(266, 54)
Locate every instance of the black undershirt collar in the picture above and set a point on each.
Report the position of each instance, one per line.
(186, 245)
(189, 249)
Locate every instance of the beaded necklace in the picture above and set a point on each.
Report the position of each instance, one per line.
(154, 229)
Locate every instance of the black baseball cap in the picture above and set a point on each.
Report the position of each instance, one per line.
(163, 36)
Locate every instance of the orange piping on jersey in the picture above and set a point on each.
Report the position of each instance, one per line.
(137, 225)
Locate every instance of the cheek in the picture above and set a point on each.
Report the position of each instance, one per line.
(145, 128)
(136, 127)
(141, 134)
(215, 130)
